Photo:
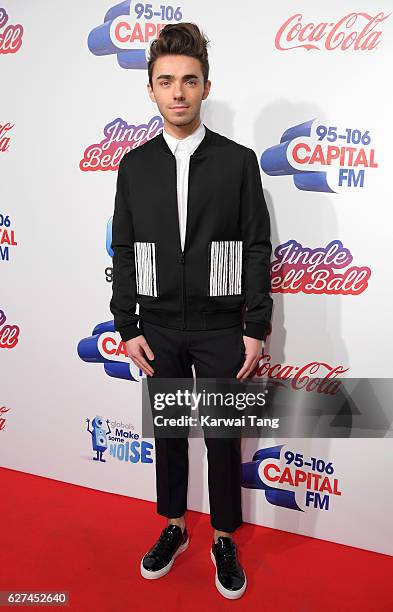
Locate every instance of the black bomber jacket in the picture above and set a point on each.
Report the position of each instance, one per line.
(222, 277)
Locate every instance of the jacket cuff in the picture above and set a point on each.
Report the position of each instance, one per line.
(129, 331)
(255, 330)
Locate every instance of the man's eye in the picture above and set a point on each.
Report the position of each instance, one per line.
(191, 82)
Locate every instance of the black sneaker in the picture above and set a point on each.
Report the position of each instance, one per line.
(159, 559)
(231, 580)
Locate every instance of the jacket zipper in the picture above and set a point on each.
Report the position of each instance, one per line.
(182, 254)
(183, 288)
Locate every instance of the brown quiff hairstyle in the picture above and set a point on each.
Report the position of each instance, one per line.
(180, 39)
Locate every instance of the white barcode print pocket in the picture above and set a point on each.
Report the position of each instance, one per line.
(225, 267)
(145, 268)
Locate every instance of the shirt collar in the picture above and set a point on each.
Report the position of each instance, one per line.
(190, 143)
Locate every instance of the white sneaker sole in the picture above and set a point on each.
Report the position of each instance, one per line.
(226, 592)
(164, 570)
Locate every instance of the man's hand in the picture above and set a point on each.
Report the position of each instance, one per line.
(253, 352)
(138, 347)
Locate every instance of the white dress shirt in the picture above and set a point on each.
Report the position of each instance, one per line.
(182, 149)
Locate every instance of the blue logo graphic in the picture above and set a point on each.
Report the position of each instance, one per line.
(104, 346)
(108, 238)
(100, 39)
(322, 157)
(128, 30)
(251, 479)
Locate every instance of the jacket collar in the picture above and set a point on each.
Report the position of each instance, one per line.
(201, 150)
(188, 144)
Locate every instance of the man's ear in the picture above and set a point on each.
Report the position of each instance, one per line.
(206, 89)
(150, 92)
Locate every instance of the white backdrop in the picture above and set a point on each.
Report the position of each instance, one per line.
(61, 362)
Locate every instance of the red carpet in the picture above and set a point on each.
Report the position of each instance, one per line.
(57, 536)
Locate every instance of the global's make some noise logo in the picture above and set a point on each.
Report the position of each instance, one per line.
(325, 158)
(7, 237)
(298, 269)
(297, 483)
(11, 36)
(120, 137)
(128, 29)
(354, 30)
(124, 444)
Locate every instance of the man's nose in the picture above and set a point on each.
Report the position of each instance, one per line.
(178, 91)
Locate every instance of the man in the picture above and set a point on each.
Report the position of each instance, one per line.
(191, 242)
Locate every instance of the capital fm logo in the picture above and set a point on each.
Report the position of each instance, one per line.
(105, 346)
(324, 158)
(128, 29)
(118, 440)
(9, 334)
(7, 237)
(357, 31)
(10, 34)
(119, 138)
(298, 269)
(292, 480)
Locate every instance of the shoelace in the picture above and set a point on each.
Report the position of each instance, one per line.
(227, 559)
(165, 543)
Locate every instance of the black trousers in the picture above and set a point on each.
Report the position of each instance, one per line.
(214, 353)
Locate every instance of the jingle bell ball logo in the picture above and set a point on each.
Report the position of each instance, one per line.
(128, 29)
(10, 34)
(119, 138)
(292, 480)
(324, 158)
(9, 333)
(324, 270)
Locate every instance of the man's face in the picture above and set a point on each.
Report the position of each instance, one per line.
(178, 88)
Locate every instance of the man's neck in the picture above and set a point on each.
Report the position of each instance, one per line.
(182, 131)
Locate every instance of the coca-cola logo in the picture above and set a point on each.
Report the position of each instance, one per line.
(359, 31)
(11, 36)
(3, 410)
(298, 269)
(315, 376)
(120, 137)
(5, 140)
